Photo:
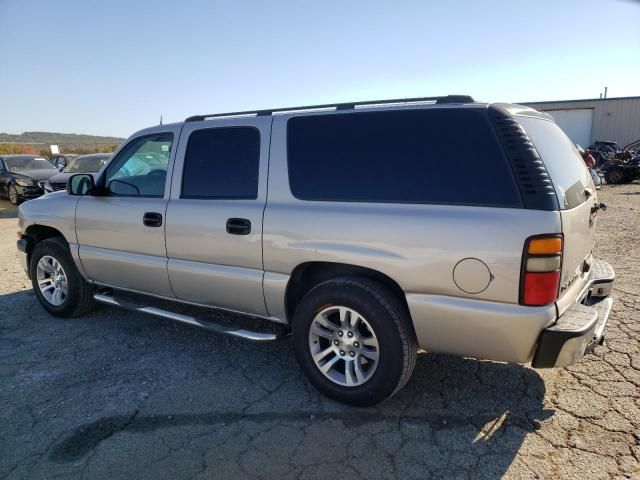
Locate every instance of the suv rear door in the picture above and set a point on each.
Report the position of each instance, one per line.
(214, 217)
(576, 196)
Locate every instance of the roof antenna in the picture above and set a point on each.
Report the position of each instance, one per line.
(160, 119)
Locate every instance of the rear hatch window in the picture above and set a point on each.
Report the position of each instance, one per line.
(566, 168)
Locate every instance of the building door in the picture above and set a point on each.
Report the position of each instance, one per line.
(576, 123)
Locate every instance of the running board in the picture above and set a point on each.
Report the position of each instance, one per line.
(245, 334)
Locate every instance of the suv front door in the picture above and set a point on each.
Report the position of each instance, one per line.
(121, 232)
(214, 217)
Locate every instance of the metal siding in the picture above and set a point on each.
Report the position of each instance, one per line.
(613, 119)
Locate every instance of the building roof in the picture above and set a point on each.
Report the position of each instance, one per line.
(580, 100)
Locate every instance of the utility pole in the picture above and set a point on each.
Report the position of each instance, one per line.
(605, 92)
(160, 119)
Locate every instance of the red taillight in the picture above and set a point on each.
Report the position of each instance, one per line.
(540, 288)
(589, 160)
(541, 262)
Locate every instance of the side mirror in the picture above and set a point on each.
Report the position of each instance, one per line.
(80, 184)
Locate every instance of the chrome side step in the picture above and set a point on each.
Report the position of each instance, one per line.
(245, 334)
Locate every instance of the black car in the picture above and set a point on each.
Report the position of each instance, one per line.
(21, 176)
(605, 147)
(83, 164)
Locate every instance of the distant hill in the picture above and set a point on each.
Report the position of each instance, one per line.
(51, 138)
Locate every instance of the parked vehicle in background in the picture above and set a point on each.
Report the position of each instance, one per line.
(590, 162)
(603, 151)
(618, 171)
(376, 237)
(61, 161)
(91, 163)
(605, 147)
(20, 176)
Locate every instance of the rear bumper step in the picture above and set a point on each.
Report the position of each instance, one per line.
(581, 328)
(192, 316)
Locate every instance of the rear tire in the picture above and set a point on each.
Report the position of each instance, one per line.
(59, 286)
(615, 176)
(381, 319)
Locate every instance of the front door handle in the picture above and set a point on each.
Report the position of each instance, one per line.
(152, 219)
(238, 226)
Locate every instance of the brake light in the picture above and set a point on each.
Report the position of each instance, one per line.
(541, 265)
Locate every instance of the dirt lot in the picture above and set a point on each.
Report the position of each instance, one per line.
(121, 395)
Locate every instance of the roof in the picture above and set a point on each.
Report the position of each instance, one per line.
(580, 100)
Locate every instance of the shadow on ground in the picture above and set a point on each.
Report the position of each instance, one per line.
(123, 394)
(7, 210)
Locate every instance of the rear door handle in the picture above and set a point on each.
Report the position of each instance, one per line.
(152, 219)
(238, 226)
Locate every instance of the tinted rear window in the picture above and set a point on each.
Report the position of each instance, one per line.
(222, 163)
(444, 156)
(566, 167)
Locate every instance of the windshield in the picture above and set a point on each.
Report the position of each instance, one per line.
(86, 164)
(27, 163)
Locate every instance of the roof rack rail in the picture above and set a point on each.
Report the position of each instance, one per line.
(337, 106)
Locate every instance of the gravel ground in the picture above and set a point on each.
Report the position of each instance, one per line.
(121, 395)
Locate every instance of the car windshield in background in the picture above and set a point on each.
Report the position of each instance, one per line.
(143, 163)
(27, 163)
(86, 164)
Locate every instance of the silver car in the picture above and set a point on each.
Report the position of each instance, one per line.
(366, 231)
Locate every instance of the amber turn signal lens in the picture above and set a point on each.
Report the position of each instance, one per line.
(545, 246)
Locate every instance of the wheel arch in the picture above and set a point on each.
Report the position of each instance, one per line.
(307, 275)
(36, 233)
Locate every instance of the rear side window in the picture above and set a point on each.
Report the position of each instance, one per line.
(561, 157)
(443, 156)
(222, 163)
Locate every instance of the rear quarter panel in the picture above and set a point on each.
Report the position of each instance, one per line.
(418, 246)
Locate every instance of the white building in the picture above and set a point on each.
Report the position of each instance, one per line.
(587, 121)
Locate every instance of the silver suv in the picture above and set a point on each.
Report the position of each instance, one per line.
(366, 230)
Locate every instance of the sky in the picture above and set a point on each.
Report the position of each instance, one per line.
(113, 67)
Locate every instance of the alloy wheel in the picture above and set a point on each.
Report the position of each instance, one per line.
(52, 280)
(344, 346)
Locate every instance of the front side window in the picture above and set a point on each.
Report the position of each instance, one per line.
(140, 169)
(222, 163)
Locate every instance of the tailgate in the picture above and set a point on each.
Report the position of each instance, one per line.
(576, 196)
(578, 228)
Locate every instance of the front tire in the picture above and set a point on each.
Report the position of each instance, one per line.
(353, 339)
(59, 286)
(14, 198)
